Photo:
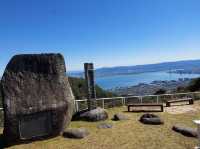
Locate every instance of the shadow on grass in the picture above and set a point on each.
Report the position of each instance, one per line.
(3, 143)
(76, 116)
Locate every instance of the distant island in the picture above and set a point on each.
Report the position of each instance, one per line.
(181, 67)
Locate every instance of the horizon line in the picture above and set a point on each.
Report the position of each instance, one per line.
(107, 67)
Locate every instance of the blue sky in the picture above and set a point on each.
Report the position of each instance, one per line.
(106, 32)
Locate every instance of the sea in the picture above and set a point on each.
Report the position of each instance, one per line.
(111, 82)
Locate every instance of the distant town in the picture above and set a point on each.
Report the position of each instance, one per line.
(152, 88)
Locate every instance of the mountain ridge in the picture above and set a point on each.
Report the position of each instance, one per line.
(184, 66)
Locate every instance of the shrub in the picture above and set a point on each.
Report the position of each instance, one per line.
(160, 91)
(194, 85)
(79, 89)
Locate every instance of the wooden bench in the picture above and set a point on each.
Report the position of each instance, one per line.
(190, 100)
(145, 105)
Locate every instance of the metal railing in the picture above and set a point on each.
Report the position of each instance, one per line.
(81, 105)
(123, 101)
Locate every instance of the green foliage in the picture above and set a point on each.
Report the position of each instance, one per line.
(1, 112)
(160, 91)
(181, 89)
(194, 85)
(0, 100)
(79, 89)
(100, 93)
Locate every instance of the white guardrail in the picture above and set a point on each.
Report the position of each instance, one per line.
(81, 105)
(123, 101)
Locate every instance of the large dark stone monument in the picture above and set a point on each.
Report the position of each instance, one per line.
(37, 98)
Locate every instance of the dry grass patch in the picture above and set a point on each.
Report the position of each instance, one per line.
(129, 134)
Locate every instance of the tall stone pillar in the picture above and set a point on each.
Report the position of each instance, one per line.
(89, 77)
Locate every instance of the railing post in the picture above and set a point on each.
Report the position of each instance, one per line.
(124, 101)
(77, 107)
(103, 103)
(192, 95)
(141, 99)
(157, 98)
(172, 96)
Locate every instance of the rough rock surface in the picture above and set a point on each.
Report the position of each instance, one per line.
(104, 126)
(35, 86)
(151, 119)
(94, 115)
(119, 117)
(77, 133)
(186, 131)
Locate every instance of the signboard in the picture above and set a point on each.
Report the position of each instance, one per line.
(35, 125)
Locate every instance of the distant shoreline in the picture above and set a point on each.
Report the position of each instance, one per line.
(182, 67)
(152, 88)
(125, 74)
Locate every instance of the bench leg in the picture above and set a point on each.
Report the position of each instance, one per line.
(162, 109)
(167, 104)
(191, 102)
(128, 109)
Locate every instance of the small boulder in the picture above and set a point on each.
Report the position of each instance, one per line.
(94, 115)
(186, 131)
(76, 133)
(151, 119)
(119, 117)
(104, 126)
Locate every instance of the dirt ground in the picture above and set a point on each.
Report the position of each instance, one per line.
(182, 108)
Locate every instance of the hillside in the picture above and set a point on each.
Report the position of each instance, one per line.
(193, 86)
(79, 89)
(189, 66)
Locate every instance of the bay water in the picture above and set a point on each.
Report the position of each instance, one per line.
(110, 82)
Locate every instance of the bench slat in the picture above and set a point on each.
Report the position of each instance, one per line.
(146, 104)
(180, 100)
(190, 100)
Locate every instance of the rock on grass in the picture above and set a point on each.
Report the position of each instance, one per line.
(151, 119)
(95, 115)
(104, 126)
(186, 131)
(76, 133)
(119, 117)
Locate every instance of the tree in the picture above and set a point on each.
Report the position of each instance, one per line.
(79, 89)
(194, 85)
(160, 91)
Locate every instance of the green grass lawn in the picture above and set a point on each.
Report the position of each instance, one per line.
(130, 134)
